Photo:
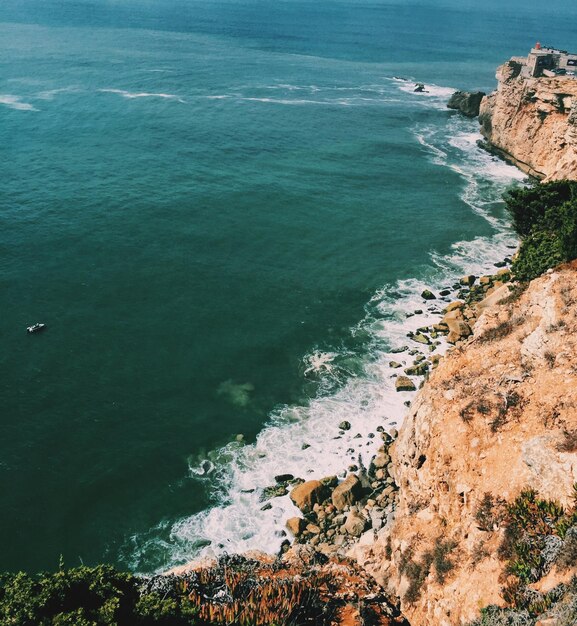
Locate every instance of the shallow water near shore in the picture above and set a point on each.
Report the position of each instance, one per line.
(223, 212)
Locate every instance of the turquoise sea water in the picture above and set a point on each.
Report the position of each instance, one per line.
(222, 210)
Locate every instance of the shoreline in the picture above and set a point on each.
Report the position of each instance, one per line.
(336, 514)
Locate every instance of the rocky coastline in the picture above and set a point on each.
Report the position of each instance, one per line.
(417, 536)
(339, 518)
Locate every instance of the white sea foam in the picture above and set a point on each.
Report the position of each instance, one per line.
(357, 387)
(49, 94)
(297, 101)
(15, 102)
(142, 94)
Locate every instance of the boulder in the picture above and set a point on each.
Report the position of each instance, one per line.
(428, 295)
(313, 529)
(355, 524)
(296, 525)
(457, 304)
(330, 481)
(458, 329)
(306, 495)
(344, 425)
(467, 102)
(417, 370)
(496, 296)
(463, 332)
(274, 491)
(468, 280)
(403, 383)
(381, 460)
(420, 338)
(347, 493)
(283, 478)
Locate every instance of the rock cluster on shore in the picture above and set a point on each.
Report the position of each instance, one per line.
(474, 294)
(335, 515)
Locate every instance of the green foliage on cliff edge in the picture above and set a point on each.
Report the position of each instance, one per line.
(545, 217)
(88, 596)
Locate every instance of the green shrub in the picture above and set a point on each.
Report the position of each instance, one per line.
(531, 207)
(538, 252)
(88, 596)
(545, 217)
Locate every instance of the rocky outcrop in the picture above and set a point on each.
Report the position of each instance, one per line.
(498, 415)
(532, 122)
(467, 102)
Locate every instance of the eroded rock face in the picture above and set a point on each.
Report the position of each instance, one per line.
(466, 102)
(533, 122)
(493, 418)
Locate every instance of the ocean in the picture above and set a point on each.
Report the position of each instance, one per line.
(223, 211)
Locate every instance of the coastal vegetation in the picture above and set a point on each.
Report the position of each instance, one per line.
(545, 218)
(90, 596)
(539, 536)
(234, 590)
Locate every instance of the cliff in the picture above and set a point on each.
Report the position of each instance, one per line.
(532, 122)
(498, 415)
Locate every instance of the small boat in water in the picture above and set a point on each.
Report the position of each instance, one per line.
(36, 328)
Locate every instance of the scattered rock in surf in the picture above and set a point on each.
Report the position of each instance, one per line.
(394, 364)
(330, 481)
(420, 88)
(401, 349)
(444, 292)
(274, 491)
(283, 478)
(417, 370)
(418, 311)
(500, 264)
(284, 547)
(266, 507)
(468, 280)
(403, 383)
(344, 425)
(305, 446)
(420, 338)
(427, 294)
(306, 495)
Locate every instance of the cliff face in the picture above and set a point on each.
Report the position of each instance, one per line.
(498, 415)
(533, 122)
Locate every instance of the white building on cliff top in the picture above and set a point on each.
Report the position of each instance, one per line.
(543, 61)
